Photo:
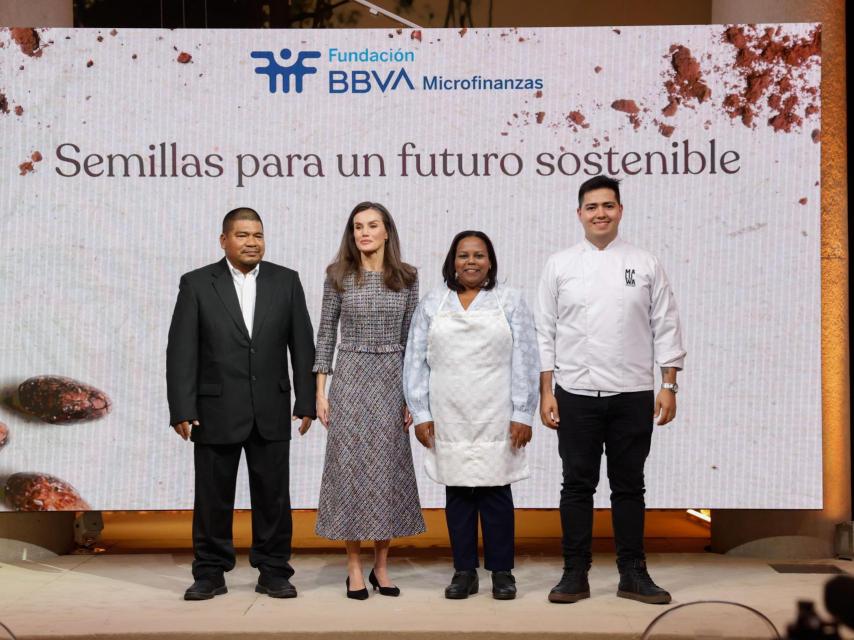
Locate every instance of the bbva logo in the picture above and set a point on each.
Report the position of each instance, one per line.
(340, 81)
(361, 81)
(296, 70)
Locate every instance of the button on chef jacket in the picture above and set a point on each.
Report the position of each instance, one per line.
(605, 318)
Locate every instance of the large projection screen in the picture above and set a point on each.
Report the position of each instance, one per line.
(122, 149)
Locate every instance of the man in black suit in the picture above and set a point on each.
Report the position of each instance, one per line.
(229, 391)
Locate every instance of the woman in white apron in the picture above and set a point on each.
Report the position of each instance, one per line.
(470, 379)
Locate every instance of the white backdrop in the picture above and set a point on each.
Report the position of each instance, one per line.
(91, 264)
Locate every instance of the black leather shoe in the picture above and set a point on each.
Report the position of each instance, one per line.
(384, 591)
(636, 584)
(503, 585)
(573, 586)
(463, 584)
(356, 594)
(275, 586)
(206, 587)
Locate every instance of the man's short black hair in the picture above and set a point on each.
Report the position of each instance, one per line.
(599, 182)
(241, 213)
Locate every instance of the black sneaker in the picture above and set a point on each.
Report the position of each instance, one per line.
(573, 586)
(206, 587)
(275, 586)
(463, 584)
(636, 584)
(503, 585)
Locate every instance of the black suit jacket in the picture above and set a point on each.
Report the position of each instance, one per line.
(218, 375)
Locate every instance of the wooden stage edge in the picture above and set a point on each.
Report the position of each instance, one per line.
(130, 531)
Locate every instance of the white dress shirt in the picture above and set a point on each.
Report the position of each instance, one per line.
(245, 286)
(605, 318)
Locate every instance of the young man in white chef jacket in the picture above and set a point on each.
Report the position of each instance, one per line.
(605, 316)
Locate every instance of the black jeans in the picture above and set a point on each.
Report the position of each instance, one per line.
(623, 425)
(216, 478)
(495, 506)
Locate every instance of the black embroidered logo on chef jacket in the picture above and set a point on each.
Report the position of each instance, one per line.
(630, 277)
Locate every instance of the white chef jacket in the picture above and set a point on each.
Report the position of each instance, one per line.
(605, 317)
(245, 285)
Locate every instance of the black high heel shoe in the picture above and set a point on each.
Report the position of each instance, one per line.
(357, 594)
(384, 591)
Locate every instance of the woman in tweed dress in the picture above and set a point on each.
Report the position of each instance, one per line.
(368, 491)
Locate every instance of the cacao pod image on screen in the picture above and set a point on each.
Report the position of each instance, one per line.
(4, 435)
(57, 400)
(41, 492)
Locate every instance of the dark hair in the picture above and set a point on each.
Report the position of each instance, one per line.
(449, 273)
(397, 274)
(241, 213)
(599, 182)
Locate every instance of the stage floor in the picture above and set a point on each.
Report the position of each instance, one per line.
(139, 596)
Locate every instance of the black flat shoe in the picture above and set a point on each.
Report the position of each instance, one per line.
(384, 591)
(503, 585)
(358, 594)
(463, 584)
(206, 588)
(275, 586)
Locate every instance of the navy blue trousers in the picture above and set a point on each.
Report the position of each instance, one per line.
(494, 505)
(622, 425)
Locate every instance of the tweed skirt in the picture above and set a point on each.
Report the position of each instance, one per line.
(368, 491)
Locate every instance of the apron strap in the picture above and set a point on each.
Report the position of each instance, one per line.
(501, 307)
(444, 299)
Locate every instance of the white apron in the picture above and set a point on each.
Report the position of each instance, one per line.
(470, 354)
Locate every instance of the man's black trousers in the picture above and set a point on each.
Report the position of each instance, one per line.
(494, 505)
(622, 424)
(216, 477)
